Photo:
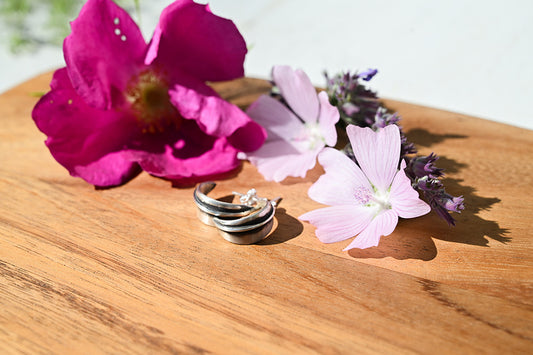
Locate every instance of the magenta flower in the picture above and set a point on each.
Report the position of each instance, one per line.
(299, 126)
(366, 199)
(122, 105)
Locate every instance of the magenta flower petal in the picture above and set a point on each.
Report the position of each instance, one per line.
(404, 199)
(61, 80)
(191, 39)
(78, 134)
(249, 136)
(328, 117)
(110, 170)
(337, 223)
(216, 161)
(382, 225)
(298, 91)
(188, 154)
(341, 181)
(216, 116)
(104, 50)
(377, 153)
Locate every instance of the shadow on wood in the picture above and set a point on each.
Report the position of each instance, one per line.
(424, 138)
(287, 229)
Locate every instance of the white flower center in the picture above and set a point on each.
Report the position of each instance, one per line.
(309, 138)
(381, 199)
(373, 199)
(313, 135)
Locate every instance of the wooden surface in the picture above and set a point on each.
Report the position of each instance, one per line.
(131, 269)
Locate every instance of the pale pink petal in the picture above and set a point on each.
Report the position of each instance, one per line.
(378, 153)
(341, 180)
(296, 166)
(404, 199)
(276, 118)
(298, 91)
(338, 223)
(191, 39)
(104, 51)
(278, 160)
(382, 225)
(215, 116)
(110, 170)
(328, 117)
(274, 148)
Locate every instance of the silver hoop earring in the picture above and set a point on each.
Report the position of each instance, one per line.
(251, 228)
(209, 207)
(245, 223)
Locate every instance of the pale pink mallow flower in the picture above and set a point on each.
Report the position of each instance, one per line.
(366, 199)
(298, 127)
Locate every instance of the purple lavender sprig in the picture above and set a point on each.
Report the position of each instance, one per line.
(425, 177)
(356, 103)
(359, 105)
(422, 166)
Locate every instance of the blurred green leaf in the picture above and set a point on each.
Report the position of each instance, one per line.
(24, 34)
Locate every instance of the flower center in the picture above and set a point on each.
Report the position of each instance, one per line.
(381, 199)
(148, 98)
(313, 135)
(376, 198)
(362, 195)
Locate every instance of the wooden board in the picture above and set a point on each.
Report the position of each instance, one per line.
(132, 270)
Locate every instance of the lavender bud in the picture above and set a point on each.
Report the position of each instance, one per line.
(424, 166)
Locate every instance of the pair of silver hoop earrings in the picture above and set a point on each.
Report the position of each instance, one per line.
(245, 223)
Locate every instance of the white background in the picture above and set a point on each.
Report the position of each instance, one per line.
(472, 57)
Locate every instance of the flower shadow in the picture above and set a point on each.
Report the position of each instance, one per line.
(450, 166)
(471, 228)
(424, 138)
(402, 244)
(414, 238)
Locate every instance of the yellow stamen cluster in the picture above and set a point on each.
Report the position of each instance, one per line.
(148, 98)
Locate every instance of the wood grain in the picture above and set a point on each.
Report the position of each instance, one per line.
(131, 269)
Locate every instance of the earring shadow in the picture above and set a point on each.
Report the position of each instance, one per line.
(287, 229)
